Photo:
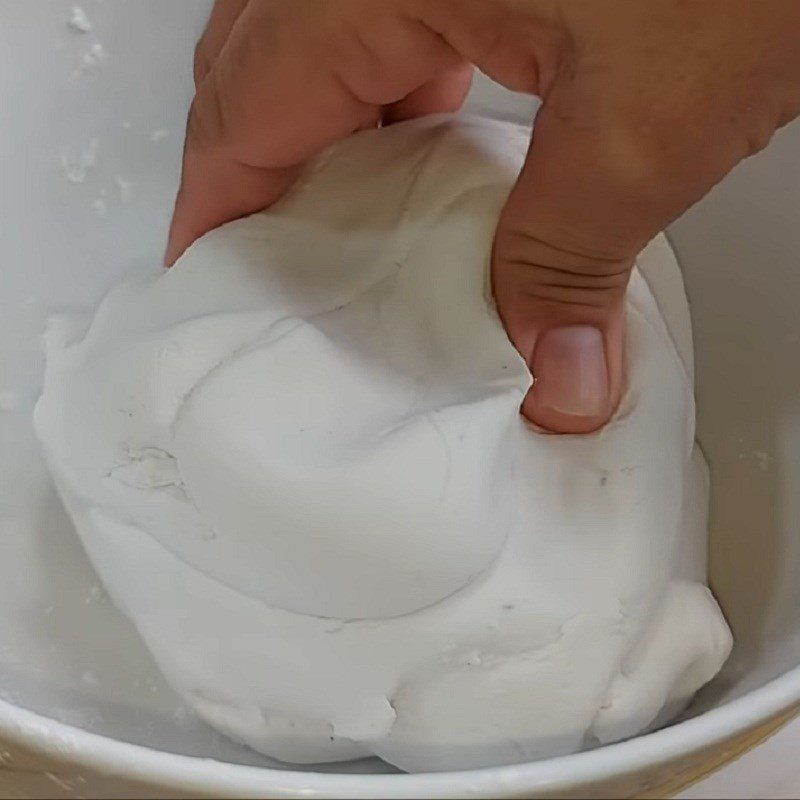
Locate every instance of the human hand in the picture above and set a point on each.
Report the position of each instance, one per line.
(646, 106)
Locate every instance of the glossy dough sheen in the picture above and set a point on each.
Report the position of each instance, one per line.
(297, 463)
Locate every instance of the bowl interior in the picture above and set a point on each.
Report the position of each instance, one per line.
(89, 157)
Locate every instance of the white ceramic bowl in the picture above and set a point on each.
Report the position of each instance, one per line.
(89, 147)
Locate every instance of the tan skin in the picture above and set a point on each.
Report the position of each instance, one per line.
(647, 104)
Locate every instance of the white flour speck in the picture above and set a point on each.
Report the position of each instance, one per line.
(99, 206)
(89, 678)
(159, 135)
(94, 58)
(763, 459)
(93, 594)
(75, 164)
(125, 189)
(78, 21)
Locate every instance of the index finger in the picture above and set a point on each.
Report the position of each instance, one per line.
(293, 77)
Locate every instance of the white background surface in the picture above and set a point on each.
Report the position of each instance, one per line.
(771, 770)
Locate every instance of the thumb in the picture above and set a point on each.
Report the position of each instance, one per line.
(563, 254)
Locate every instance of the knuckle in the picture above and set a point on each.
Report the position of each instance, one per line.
(564, 249)
(555, 294)
(578, 274)
(564, 246)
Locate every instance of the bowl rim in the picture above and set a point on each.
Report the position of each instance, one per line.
(112, 758)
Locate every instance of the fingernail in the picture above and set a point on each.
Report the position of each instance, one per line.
(570, 371)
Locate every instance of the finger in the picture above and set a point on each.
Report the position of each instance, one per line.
(292, 78)
(444, 94)
(212, 194)
(223, 17)
(559, 280)
(619, 151)
(594, 190)
(252, 124)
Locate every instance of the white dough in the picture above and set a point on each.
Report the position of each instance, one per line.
(297, 463)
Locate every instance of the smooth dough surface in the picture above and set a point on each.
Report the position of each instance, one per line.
(297, 463)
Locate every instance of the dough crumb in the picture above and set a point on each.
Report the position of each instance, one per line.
(78, 21)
